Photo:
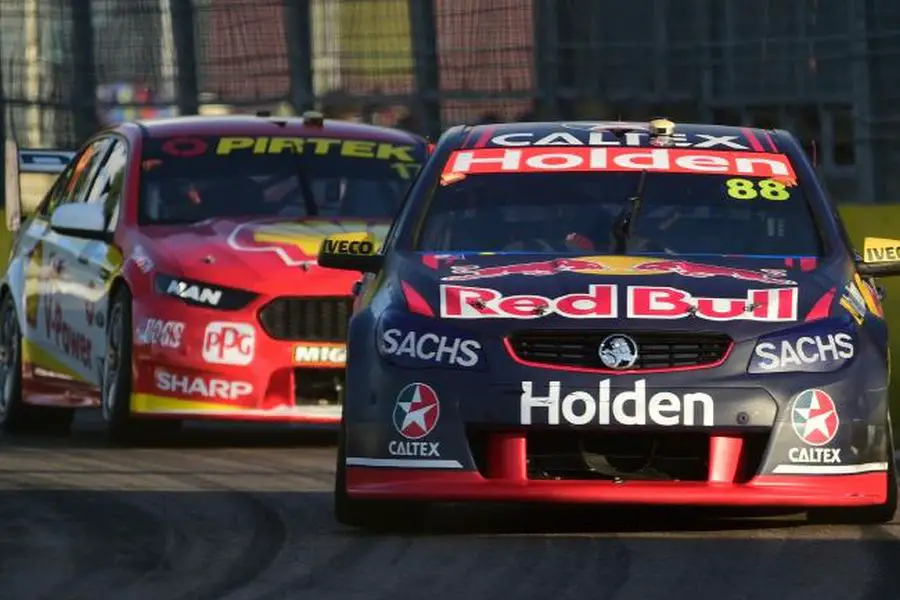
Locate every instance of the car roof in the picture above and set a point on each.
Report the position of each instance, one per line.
(257, 125)
(754, 139)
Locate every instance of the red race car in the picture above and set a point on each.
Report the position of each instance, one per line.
(170, 271)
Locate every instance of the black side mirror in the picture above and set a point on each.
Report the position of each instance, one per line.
(347, 262)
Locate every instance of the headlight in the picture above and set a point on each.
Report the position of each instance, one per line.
(821, 347)
(198, 293)
(415, 342)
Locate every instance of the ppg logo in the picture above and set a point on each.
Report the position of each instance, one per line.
(229, 343)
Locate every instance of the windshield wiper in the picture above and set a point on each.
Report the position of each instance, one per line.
(623, 226)
(312, 207)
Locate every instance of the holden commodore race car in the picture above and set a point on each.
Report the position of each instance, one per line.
(169, 273)
(616, 313)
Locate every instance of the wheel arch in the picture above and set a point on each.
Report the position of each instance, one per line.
(13, 283)
(6, 290)
(118, 284)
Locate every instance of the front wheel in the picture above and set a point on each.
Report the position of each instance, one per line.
(866, 515)
(863, 515)
(15, 415)
(123, 428)
(384, 515)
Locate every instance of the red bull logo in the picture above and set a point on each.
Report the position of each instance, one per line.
(295, 243)
(616, 265)
(601, 301)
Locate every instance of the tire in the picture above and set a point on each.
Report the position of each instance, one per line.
(379, 515)
(865, 515)
(122, 428)
(15, 415)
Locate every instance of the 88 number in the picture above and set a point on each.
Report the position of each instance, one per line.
(768, 189)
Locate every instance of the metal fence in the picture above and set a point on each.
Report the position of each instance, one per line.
(825, 69)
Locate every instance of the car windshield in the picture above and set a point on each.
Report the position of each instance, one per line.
(754, 209)
(190, 179)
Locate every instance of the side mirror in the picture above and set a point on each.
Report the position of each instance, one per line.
(351, 252)
(81, 220)
(881, 258)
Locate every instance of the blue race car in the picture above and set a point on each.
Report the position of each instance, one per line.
(616, 313)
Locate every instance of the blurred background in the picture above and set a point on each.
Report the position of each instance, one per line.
(825, 69)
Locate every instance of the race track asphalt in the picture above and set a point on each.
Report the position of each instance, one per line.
(231, 513)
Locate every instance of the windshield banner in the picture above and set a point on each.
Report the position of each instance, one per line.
(669, 160)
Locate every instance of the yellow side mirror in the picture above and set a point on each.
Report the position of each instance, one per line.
(356, 251)
(353, 244)
(881, 257)
(877, 250)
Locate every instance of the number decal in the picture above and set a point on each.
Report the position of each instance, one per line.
(741, 189)
(768, 189)
(773, 190)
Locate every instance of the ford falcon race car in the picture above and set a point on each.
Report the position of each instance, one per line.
(616, 313)
(170, 273)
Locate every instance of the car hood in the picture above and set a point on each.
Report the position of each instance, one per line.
(745, 297)
(268, 256)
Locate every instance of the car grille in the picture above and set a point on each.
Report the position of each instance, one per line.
(314, 319)
(573, 455)
(317, 387)
(656, 351)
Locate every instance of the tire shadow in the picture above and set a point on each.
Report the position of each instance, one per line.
(540, 519)
(88, 431)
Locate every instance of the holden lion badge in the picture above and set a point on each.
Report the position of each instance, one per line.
(618, 352)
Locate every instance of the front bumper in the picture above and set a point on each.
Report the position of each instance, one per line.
(751, 452)
(762, 491)
(272, 381)
(153, 406)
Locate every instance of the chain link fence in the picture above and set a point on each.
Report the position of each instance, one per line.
(825, 69)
